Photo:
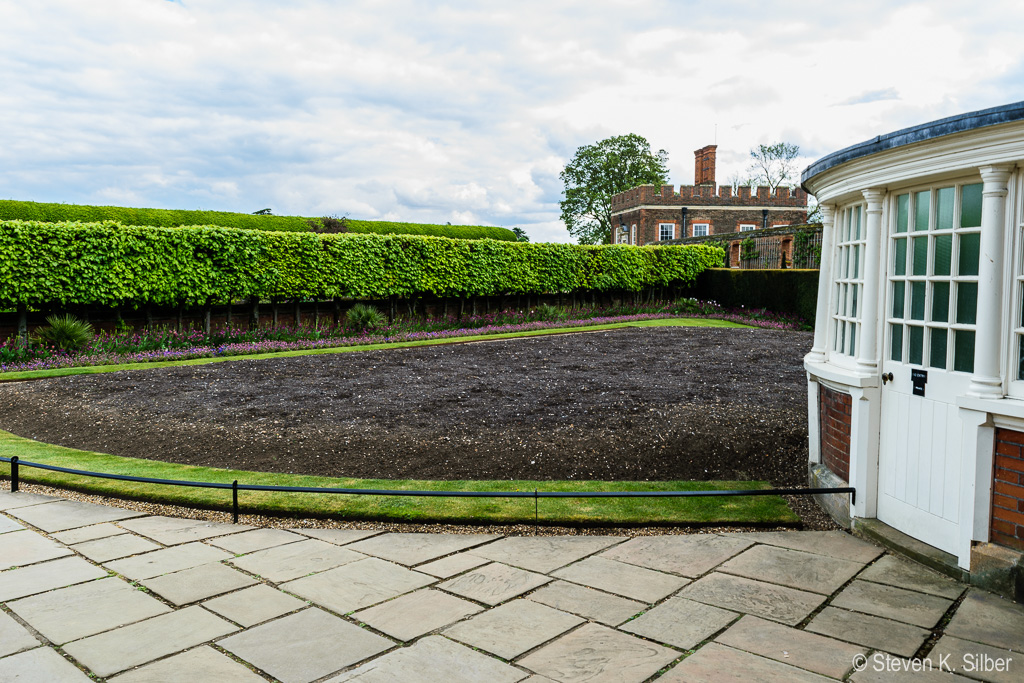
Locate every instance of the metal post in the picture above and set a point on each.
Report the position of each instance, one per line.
(535, 512)
(14, 474)
(234, 501)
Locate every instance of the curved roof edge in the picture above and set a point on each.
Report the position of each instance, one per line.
(925, 131)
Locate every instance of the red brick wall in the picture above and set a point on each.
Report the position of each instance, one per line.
(1007, 527)
(834, 409)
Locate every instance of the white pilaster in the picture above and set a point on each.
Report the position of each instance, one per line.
(821, 312)
(867, 357)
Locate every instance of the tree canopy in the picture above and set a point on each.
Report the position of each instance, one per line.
(773, 164)
(599, 171)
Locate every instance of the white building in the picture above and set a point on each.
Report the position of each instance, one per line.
(916, 376)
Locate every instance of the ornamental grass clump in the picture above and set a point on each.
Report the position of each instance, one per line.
(364, 317)
(66, 332)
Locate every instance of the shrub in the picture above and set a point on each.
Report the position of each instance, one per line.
(364, 317)
(549, 312)
(329, 224)
(66, 332)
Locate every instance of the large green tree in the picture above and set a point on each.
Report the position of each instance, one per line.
(598, 171)
(773, 164)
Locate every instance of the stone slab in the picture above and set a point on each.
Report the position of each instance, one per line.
(174, 531)
(838, 544)
(359, 584)
(778, 603)
(590, 603)
(62, 515)
(254, 605)
(410, 616)
(197, 583)
(513, 628)
(989, 619)
(413, 549)
(691, 555)
(167, 560)
(86, 609)
(123, 648)
(543, 553)
(968, 658)
(337, 536)
(305, 646)
(195, 666)
(19, 548)
(793, 568)
(88, 533)
(801, 649)
(894, 603)
(680, 622)
(115, 547)
(17, 583)
(14, 637)
(41, 665)
(598, 653)
(448, 567)
(7, 524)
(896, 670)
(291, 561)
(494, 583)
(870, 631)
(894, 571)
(257, 539)
(628, 580)
(10, 501)
(716, 663)
(433, 660)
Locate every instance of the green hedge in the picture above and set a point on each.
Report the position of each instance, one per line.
(48, 264)
(780, 291)
(11, 210)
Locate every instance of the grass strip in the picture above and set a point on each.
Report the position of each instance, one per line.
(95, 369)
(571, 511)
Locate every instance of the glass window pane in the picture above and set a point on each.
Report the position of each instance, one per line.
(846, 225)
(902, 212)
(846, 262)
(842, 337)
(921, 202)
(856, 263)
(900, 262)
(940, 302)
(967, 302)
(853, 339)
(920, 256)
(970, 246)
(917, 300)
(916, 345)
(937, 357)
(944, 208)
(963, 351)
(853, 291)
(856, 223)
(1020, 357)
(943, 254)
(1022, 306)
(970, 206)
(896, 343)
(844, 300)
(898, 298)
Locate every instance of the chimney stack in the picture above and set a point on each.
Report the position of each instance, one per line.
(704, 165)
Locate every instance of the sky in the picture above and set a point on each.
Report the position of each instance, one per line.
(460, 112)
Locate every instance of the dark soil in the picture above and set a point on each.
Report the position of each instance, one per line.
(633, 404)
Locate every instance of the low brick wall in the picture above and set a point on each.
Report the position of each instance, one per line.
(1007, 526)
(834, 411)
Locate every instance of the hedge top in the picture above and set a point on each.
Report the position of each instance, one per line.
(166, 218)
(51, 264)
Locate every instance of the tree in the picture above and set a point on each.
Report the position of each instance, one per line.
(597, 172)
(773, 164)
(521, 235)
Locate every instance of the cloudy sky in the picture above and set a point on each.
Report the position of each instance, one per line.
(461, 112)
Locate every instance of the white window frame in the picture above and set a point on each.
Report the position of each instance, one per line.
(747, 227)
(632, 234)
(701, 229)
(661, 231)
(846, 291)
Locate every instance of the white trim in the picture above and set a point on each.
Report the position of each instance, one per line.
(706, 226)
(661, 232)
(747, 227)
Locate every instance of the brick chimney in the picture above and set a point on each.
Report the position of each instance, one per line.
(704, 165)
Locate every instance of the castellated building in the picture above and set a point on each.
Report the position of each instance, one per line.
(647, 214)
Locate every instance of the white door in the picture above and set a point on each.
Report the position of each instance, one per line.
(931, 310)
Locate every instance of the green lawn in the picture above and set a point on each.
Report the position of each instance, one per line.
(739, 510)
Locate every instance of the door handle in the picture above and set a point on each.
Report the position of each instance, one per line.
(886, 377)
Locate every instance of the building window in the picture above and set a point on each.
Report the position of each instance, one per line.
(848, 279)
(935, 239)
(701, 229)
(747, 227)
(632, 234)
(666, 231)
(780, 225)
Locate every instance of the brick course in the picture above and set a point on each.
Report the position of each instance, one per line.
(834, 419)
(1007, 526)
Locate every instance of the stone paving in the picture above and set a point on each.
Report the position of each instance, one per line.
(89, 592)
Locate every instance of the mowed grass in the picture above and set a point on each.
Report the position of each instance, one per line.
(572, 511)
(94, 369)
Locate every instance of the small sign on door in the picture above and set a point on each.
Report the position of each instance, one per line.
(919, 379)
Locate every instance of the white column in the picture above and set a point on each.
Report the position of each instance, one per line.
(986, 381)
(867, 357)
(817, 353)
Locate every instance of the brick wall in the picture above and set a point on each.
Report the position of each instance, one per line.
(719, 220)
(834, 410)
(1007, 527)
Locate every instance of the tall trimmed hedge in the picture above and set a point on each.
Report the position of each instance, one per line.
(789, 291)
(48, 264)
(11, 210)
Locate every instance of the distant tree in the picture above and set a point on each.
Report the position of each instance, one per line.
(262, 212)
(521, 235)
(773, 164)
(596, 172)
